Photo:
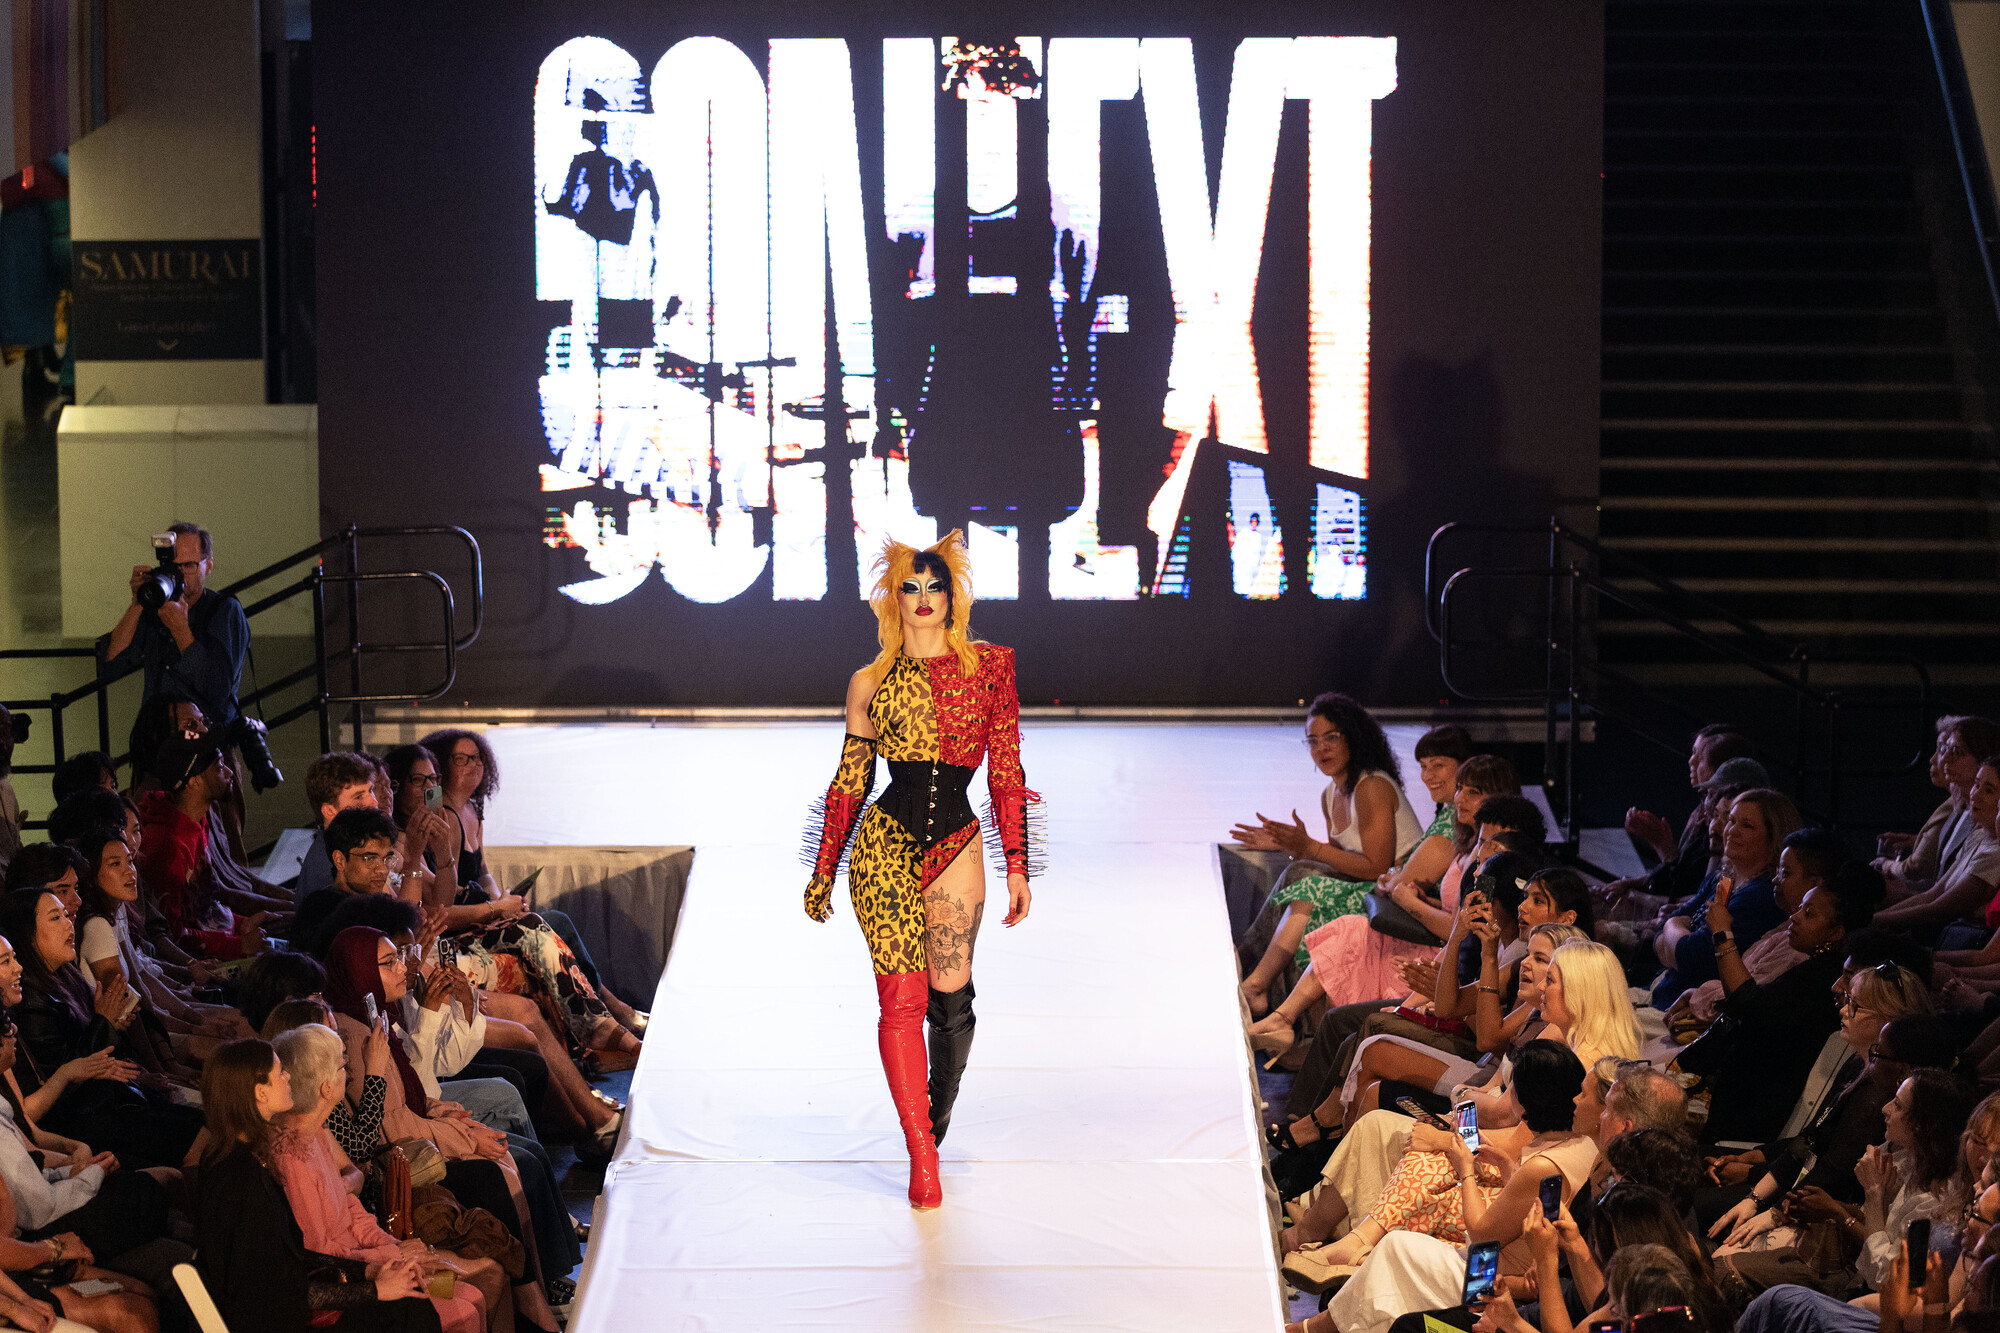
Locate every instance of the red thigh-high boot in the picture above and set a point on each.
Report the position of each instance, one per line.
(903, 996)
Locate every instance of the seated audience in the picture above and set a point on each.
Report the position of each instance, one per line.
(176, 860)
(1758, 1061)
(1362, 962)
(1807, 858)
(1777, 1232)
(1416, 1068)
(1538, 1094)
(487, 919)
(311, 1168)
(232, 882)
(359, 842)
(1915, 862)
(50, 868)
(1906, 1177)
(120, 1215)
(1370, 828)
(506, 1036)
(88, 770)
(272, 978)
(1753, 835)
(111, 956)
(1683, 861)
(61, 1022)
(252, 1251)
(363, 963)
(1953, 912)
(334, 782)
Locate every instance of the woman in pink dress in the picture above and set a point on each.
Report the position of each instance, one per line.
(308, 1165)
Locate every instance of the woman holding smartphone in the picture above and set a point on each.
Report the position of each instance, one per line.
(1499, 1182)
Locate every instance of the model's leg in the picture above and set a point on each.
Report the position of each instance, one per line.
(883, 873)
(954, 902)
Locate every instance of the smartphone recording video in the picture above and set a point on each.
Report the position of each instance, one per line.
(1468, 1125)
(1482, 1271)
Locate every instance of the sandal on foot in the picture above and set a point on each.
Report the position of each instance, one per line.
(1280, 1136)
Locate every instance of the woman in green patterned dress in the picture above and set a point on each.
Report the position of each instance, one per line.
(1370, 829)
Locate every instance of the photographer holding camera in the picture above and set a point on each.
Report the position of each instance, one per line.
(191, 640)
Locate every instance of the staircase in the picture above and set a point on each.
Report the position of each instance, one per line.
(1793, 423)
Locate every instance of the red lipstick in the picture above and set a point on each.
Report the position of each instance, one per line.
(923, 610)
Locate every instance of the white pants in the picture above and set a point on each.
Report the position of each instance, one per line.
(1360, 1166)
(1406, 1272)
(1455, 1071)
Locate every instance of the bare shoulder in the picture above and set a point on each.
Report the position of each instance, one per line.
(860, 687)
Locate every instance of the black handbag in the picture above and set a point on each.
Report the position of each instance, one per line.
(1387, 917)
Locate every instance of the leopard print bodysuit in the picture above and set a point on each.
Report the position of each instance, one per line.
(910, 835)
(933, 725)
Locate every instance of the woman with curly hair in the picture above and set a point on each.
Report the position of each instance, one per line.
(934, 703)
(1370, 829)
(505, 947)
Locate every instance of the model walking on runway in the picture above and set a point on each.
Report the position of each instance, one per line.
(934, 703)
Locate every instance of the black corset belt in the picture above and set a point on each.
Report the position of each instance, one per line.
(927, 799)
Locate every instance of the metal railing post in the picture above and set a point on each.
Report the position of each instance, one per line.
(56, 725)
(354, 632)
(320, 691)
(103, 707)
(1569, 752)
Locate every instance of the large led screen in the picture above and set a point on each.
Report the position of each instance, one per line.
(1194, 321)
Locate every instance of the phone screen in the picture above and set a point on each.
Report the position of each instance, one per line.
(1482, 1268)
(1468, 1125)
(368, 1007)
(1551, 1190)
(1919, 1238)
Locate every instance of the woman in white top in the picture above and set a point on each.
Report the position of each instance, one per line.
(110, 893)
(1369, 824)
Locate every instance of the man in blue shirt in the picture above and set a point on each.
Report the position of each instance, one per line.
(193, 647)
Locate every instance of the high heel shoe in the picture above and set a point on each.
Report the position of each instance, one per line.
(900, 1037)
(1277, 1040)
(1280, 1136)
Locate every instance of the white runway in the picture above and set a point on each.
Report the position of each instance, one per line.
(1102, 1172)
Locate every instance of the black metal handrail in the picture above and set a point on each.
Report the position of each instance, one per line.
(314, 582)
(1569, 694)
(1967, 144)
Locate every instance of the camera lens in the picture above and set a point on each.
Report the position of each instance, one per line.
(159, 587)
(251, 740)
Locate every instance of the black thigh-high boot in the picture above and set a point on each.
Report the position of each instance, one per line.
(951, 1022)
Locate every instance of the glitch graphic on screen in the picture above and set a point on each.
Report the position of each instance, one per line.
(766, 329)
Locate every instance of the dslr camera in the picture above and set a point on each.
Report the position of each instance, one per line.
(163, 582)
(247, 734)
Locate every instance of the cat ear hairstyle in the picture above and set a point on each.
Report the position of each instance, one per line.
(898, 562)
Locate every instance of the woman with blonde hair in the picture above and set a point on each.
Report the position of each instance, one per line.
(1738, 902)
(935, 702)
(1585, 996)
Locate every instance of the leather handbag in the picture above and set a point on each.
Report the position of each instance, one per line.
(395, 1176)
(1387, 917)
(426, 1162)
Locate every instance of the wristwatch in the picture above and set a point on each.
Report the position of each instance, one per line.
(1721, 938)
